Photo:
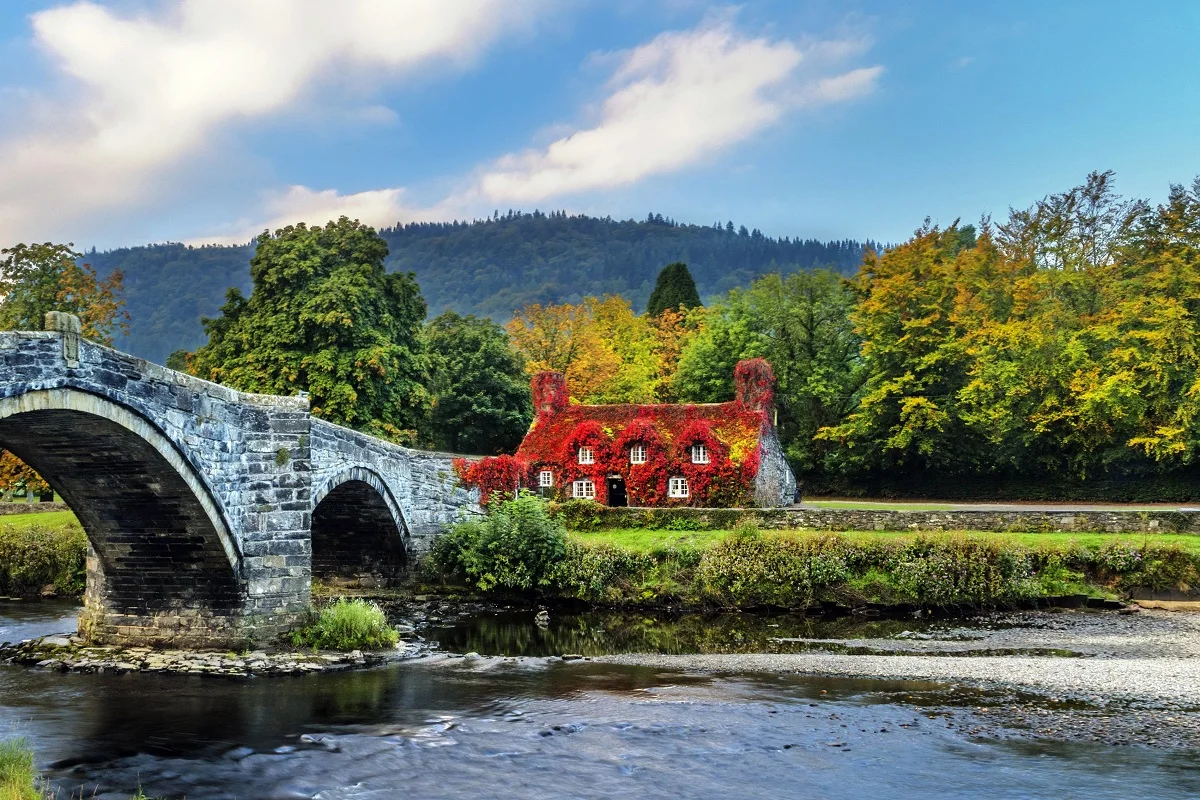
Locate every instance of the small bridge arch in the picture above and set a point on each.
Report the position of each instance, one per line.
(159, 544)
(359, 533)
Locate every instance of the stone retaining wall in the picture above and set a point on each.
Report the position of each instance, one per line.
(836, 519)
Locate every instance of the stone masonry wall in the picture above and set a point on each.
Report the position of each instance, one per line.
(249, 454)
(422, 483)
(831, 519)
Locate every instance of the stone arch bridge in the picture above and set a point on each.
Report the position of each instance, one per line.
(209, 511)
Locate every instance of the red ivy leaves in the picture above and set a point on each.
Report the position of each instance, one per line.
(496, 477)
(645, 484)
(755, 384)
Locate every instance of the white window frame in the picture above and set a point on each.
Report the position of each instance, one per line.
(587, 455)
(583, 490)
(678, 487)
(545, 479)
(637, 454)
(699, 454)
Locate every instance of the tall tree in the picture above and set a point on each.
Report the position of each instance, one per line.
(481, 400)
(674, 289)
(325, 317)
(801, 324)
(45, 277)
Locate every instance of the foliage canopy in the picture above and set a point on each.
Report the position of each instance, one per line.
(326, 318)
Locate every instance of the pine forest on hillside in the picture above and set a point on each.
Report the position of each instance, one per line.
(490, 268)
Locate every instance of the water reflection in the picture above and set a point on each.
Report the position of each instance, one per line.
(532, 728)
(592, 633)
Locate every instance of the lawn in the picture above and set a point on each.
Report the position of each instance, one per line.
(642, 540)
(47, 519)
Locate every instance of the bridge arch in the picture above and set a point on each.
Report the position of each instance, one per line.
(359, 533)
(163, 564)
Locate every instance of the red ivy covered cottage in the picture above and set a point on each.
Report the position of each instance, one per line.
(715, 454)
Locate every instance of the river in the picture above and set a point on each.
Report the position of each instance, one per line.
(534, 727)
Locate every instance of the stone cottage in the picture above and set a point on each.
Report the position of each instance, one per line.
(713, 454)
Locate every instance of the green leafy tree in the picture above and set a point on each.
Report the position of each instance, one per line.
(481, 400)
(801, 324)
(674, 289)
(326, 318)
(45, 277)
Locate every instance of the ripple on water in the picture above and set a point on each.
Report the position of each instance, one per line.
(575, 730)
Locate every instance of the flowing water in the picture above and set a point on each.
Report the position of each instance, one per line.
(535, 727)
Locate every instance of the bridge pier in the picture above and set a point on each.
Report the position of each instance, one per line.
(198, 501)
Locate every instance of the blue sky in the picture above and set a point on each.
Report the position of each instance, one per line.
(208, 120)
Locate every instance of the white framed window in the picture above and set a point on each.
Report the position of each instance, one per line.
(678, 487)
(584, 489)
(587, 455)
(545, 479)
(699, 454)
(637, 454)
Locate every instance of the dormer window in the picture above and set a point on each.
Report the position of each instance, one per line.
(678, 487)
(545, 479)
(699, 454)
(587, 455)
(637, 454)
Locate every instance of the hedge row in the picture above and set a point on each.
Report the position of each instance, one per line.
(751, 569)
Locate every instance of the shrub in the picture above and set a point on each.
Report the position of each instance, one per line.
(33, 556)
(347, 625)
(599, 572)
(18, 779)
(749, 569)
(516, 547)
(962, 570)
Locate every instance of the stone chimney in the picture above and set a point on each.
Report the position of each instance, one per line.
(754, 387)
(549, 392)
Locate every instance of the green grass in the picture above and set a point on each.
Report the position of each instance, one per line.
(644, 541)
(347, 625)
(18, 778)
(45, 519)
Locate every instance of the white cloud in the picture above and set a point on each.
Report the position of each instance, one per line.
(677, 101)
(152, 90)
(379, 207)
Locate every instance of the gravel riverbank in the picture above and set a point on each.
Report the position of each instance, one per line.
(1149, 658)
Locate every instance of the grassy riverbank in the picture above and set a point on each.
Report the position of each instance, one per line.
(522, 548)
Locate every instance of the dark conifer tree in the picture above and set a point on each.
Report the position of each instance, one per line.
(675, 288)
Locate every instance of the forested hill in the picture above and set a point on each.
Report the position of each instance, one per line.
(489, 267)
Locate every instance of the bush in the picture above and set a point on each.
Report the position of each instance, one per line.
(749, 569)
(18, 779)
(516, 547)
(33, 556)
(599, 572)
(956, 570)
(347, 625)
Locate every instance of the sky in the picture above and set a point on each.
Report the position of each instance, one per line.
(134, 121)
